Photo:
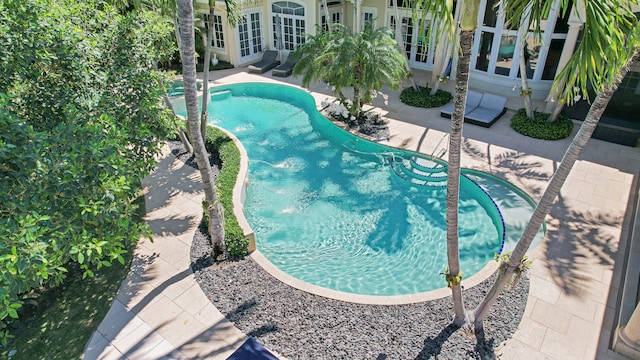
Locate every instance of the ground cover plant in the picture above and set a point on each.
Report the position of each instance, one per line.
(57, 323)
(423, 97)
(219, 143)
(539, 127)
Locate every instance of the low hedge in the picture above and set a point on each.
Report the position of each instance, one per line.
(539, 127)
(217, 142)
(423, 98)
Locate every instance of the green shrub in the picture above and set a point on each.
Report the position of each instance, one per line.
(422, 98)
(221, 65)
(540, 128)
(217, 142)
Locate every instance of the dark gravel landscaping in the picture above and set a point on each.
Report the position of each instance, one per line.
(299, 325)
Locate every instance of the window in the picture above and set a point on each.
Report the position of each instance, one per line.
(288, 25)
(334, 9)
(368, 16)
(404, 4)
(498, 45)
(218, 34)
(250, 34)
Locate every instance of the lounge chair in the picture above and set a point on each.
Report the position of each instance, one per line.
(267, 63)
(285, 69)
(491, 108)
(473, 100)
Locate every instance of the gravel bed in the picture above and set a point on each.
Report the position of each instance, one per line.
(299, 325)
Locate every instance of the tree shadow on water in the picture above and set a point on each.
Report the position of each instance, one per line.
(390, 235)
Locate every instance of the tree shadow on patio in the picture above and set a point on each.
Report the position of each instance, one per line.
(579, 240)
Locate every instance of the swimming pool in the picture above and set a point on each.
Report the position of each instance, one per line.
(339, 212)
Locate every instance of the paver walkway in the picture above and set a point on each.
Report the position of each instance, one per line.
(160, 311)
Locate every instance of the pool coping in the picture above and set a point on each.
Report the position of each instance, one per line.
(239, 196)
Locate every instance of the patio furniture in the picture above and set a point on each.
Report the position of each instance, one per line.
(267, 63)
(473, 100)
(252, 350)
(481, 109)
(490, 109)
(284, 70)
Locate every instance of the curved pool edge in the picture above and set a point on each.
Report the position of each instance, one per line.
(240, 190)
(285, 278)
(238, 198)
(239, 195)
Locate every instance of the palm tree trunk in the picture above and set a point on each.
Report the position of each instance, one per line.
(438, 77)
(398, 35)
(556, 111)
(211, 203)
(453, 175)
(205, 76)
(325, 10)
(542, 209)
(176, 26)
(181, 134)
(524, 90)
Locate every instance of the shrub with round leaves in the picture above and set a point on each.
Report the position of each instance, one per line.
(423, 98)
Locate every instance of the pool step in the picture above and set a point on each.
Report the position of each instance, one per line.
(426, 165)
(420, 171)
(220, 95)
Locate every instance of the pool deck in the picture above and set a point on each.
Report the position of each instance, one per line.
(161, 313)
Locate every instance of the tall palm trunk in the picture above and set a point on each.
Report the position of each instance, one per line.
(398, 34)
(525, 92)
(556, 111)
(468, 24)
(181, 134)
(542, 209)
(453, 175)
(205, 76)
(211, 203)
(176, 26)
(442, 64)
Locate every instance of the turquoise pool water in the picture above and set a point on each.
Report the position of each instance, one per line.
(339, 212)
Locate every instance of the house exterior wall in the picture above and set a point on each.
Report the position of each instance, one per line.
(494, 58)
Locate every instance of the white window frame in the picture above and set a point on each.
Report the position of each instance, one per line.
(499, 31)
(218, 31)
(372, 12)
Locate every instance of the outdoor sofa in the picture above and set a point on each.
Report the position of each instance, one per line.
(481, 109)
(267, 63)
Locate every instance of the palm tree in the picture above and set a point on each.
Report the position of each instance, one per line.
(166, 8)
(468, 24)
(364, 61)
(211, 202)
(609, 20)
(528, 15)
(234, 13)
(398, 36)
(442, 14)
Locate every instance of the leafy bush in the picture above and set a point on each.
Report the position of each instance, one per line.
(217, 142)
(540, 128)
(221, 65)
(423, 98)
(80, 115)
